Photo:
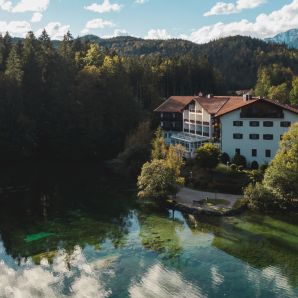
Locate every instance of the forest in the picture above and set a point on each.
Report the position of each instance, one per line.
(81, 99)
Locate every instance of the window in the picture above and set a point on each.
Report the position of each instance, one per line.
(238, 123)
(238, 136)
(268, 137)
(268, 123)
(161, 115)
(254, 123)
(254, 136)
(237, 151)
(254, 152)
(268, 153)
(285, 124)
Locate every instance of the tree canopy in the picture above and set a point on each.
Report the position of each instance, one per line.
(207, 156)
(281, 177)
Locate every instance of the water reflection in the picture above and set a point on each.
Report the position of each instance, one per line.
(77, 233)
(69, 275)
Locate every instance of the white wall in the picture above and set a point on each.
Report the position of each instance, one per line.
(204, 116)
(229, 144)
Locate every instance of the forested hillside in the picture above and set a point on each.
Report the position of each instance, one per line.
(237, 59)
(80, 100)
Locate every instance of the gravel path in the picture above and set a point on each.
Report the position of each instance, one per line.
(186, 196)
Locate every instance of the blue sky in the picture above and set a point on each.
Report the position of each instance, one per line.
(196, 20)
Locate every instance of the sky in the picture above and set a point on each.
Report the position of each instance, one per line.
(197, 20)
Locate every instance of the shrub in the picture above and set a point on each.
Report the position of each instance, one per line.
(239, 160)
(254, 165)
(240, 168)
(225, 158)
(255, 176)
(207, 156)
(233, 167)
(259, 198)
(263, 168)
(224, 169)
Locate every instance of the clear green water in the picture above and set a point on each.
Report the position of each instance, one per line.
(73, 234)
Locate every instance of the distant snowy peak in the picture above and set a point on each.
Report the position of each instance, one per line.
(290, 38)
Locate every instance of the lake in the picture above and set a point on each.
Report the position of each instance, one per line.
(80, 232)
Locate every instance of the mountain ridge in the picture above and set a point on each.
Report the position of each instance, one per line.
(289, 38)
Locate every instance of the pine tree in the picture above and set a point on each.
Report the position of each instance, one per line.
(14, 71)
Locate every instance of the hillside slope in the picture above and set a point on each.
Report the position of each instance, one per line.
(289, 38)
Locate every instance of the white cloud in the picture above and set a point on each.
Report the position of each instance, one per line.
(85, 31)
(96, 24)
(45, 280)
(99, 24)
(15, 28)
(31, 5)
(265, 25)
(221, 8)
(249, 4)
(36, 17)
(106, 6)
(141, 1)
(5, 5)
(25, 5)
(117, 32)
(157, 34)
(55, 30)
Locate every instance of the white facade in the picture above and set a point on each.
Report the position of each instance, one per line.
(197, 129)
(197, 121)
(263, 149)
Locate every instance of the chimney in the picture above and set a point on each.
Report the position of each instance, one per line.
(210, 96)
(247, 97)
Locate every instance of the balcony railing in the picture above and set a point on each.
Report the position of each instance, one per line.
(196, 122)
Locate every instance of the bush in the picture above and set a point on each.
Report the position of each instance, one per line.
(233, 167)
(225, 158)
(254, 165)
(224, 169)
(257, 197)
(241, 168)
(263, 168)
(239, 160)
(207, 156)
(255, 176)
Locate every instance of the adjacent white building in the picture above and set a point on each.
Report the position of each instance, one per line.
(255, 129)
(248, 126)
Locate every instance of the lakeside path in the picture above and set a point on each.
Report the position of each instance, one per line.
(187, 196)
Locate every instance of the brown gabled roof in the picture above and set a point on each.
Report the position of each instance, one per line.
(235, 103)
(218, 105)
(175, 104)
(212, 105)
(290, 108)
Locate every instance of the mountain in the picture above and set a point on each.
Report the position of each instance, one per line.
(236, 59)
(289, 38)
